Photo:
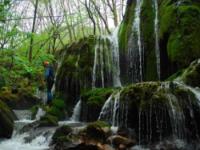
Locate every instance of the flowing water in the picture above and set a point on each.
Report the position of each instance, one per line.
(114, 111)
(115, 58)
(106, 65)
(76, 112)
(18, 141)
(156, 30)
(135, 48)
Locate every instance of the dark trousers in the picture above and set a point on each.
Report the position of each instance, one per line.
(49, 94)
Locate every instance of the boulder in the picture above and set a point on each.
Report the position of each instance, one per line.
(120, 141)
(7, 118)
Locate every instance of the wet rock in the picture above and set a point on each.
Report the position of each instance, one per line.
(121, 142)
(95, 132)
(7, 118)
(61, 135)
(84, 147)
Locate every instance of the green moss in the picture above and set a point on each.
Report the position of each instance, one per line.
(61, 134)
(181, 22)
(101, 124)
(94, 131)
(54, 111)
(148, 34)
(48, 120)
(58, 103)
(97, 96)
(140, 94)
(191, 74)
(176, 75)
(126, 27)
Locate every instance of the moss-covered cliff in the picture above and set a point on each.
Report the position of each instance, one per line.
(179, 31)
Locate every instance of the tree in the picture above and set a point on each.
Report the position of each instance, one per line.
(33, 31)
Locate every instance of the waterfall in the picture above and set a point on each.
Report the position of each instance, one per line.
(114, 111)
(56, 72)
(76, 112)
(106, 65)
(135, 49)
(156, 30)
(115, 58)
(106, 108)
(97, 52)
(138, 30)
(177, 117)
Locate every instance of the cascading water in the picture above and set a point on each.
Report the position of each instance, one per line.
(115, 58)
(156, 30)
(76, 112)
(106, 66)
(94, 71)
(114, 111)
(18, 140)
(135, 49)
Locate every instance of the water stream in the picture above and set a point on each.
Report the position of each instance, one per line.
(18, 140)
(135, 49)
(156, 31)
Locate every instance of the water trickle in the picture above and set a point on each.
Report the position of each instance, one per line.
(156, 31)
(98, 66)
(76, 112)
(116, 110)
(135, 49)
(106, 108)
(113, 111)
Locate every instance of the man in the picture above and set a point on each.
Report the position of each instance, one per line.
(49, 78)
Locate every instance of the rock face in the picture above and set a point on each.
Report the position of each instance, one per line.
(6, 121)
(85, 64)
(92, 101)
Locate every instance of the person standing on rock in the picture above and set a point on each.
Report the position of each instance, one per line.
(49, 78)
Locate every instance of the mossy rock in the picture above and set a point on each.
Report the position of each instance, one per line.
(20, 98)
(94, 131)
(179, 34)
(97, 96)
(6, 121)
(54, 111)
(61, 134)
(48, 121)
(189, 75)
